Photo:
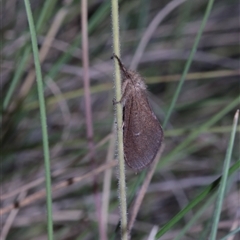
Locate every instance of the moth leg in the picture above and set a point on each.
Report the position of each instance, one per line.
(115, 102)
(125, 93)
(122, 127)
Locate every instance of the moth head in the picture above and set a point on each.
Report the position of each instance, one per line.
(137, 80)
(133, 77)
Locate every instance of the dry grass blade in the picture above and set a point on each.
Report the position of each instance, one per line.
(143, 189)
(41, 194)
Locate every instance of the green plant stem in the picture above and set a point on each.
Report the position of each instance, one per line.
(223, 183)
(189, 61)
(43, 119)
(122, 182)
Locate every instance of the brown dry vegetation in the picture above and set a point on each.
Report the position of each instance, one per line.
(212, 84)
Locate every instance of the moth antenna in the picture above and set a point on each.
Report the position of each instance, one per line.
(124, 70)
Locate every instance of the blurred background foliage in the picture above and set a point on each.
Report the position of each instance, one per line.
(211, 84)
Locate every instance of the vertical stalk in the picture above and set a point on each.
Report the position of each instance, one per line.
(223, 183)
(88, 109)
(87, 94)
(43, 119)
(122, 183)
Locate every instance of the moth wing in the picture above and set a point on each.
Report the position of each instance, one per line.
(142, 133)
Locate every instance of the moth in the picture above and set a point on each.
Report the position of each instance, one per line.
(142, 132)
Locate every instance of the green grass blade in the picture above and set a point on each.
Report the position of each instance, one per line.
(195, 218)
(45, 13)
(207, 191)
(16, 78)
(231, 233)
(47, 8)
(196, 132)
(223, 183)
(43, 119)
(189, 61)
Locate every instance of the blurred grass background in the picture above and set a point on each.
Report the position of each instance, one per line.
(211, 85)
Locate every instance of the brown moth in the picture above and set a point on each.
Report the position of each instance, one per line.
(142, 132)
